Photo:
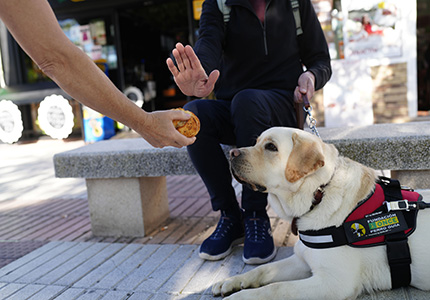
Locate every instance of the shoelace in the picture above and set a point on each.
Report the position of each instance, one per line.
(256, 229)
(223, 227)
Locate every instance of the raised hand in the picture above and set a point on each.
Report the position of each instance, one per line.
(189, 74)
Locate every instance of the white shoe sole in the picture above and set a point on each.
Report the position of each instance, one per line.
(258, 260)
(207, 256)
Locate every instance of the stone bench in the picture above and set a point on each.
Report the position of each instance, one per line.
(126, 181)
(404, 149)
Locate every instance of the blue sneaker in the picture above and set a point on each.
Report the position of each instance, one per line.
(229, 233)
(259, 247)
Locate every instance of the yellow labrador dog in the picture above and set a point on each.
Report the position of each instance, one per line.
(291, 165)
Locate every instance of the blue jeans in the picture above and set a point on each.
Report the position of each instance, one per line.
(237, 122)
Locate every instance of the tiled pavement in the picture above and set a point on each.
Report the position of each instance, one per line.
(48, 252)
(83, 270)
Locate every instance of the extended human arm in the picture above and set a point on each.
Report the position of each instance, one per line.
(35, 28)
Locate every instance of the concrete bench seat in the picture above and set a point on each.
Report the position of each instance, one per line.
(404, 149)
(126, 181)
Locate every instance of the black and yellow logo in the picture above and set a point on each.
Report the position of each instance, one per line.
(358, 229)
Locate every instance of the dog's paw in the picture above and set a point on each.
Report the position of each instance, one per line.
(216, 289)
(220, 289)
(229, 286)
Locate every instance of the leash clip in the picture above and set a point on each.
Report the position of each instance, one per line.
(312, 121)
(399, 205)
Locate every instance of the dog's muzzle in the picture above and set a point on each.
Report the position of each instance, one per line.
(237, 165)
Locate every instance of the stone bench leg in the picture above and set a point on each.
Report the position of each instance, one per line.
(127, 206)
(416, 179)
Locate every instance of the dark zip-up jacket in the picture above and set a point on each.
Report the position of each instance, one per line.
(252, 54)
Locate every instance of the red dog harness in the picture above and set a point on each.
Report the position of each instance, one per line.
(387, 217)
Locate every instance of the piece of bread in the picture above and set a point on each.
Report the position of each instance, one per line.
(190, 127)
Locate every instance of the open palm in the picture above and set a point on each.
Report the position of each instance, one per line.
(189, 74)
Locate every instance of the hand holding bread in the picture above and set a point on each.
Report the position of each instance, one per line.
(190, 127)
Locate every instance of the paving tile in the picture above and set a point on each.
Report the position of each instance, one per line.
(203, 278)
(87, 263)
(17, 249)
(34, 264)
(70, 294)
(415, 294)
(58, 262)
(163, 272)
(91, 294)
(118, 295)
(9, 289)
(128, 266)
(26, 292)
(141, 296)
(27, 258)
(180, 279)
(142, 272)
(233, 265)
(107, 267)
(124, 271)
(48, 292)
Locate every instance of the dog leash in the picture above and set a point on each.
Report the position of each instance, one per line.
(307, 107)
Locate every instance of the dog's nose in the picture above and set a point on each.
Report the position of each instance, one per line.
(234, 152)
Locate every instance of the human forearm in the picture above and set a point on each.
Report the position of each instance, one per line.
(92, 87)
(35, 27)
(95, 90)
(63, 62)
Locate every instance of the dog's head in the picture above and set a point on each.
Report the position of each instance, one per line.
(281, 159)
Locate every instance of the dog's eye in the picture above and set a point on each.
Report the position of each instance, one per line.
(271, 147)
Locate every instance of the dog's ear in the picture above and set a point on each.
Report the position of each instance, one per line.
(305, 158)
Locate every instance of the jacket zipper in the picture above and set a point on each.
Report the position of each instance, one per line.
(263, 26)
(266, 50)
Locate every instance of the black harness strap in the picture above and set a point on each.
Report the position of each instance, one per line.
(399, 259)
(399, 256)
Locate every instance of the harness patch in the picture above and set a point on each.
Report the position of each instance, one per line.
(374, 226)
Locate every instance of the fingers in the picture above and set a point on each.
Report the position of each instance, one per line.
(172, 137)
(306, 86)
(179, 115)
(178, 141)
(213, 77)
(185, 58)
(172, 67)
(192, 57)
(183, 61)
(179, 60)
(210, 83)
(297, 95)
(183, 141)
